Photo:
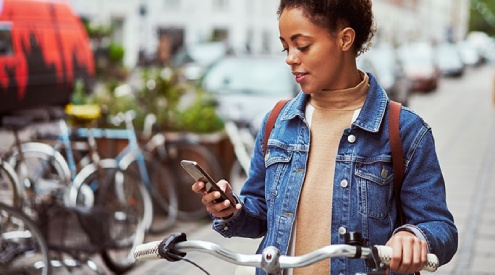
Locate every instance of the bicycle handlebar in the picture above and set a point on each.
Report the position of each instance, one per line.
(270, 260)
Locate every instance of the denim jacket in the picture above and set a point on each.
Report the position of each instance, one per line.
(362, 187)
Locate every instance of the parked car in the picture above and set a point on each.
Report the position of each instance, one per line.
(382, 61)
(249, 86)
(483, 43)
(192, 60)
(419, 66)
(449, 60)
(469, 54)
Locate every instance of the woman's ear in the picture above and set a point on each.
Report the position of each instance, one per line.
(346, 38)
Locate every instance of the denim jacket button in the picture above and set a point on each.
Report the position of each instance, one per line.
(351, 138)
(342, 230)
(226, 228)
(344, 183)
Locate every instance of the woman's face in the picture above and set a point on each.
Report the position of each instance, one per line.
(314, 55)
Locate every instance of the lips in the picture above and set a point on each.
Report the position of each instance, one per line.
(299, 76)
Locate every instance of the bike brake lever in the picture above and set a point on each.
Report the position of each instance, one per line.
(166, 249)
(374, 261)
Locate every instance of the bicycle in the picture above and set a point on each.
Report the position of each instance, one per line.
(37, 176)
(170, 149)
(10, 186)
(157, 162)
(175, 247)
(24, 239)
(169, 185)
(101, 184)
(135, 159)
(24, 249)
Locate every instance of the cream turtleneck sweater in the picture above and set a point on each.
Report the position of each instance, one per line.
(333, 112)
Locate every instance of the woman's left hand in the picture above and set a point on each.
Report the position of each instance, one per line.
(409, 252)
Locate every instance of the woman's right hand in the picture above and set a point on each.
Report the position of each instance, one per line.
(220, 209)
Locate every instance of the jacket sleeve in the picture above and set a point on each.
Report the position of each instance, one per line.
(423, 198)
(251, 220)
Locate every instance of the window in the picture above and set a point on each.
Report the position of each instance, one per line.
(220, 5)
(117, 24)
(172, 4)
(5, 40)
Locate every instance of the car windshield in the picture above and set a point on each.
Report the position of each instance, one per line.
(202, 54)
(249, 76)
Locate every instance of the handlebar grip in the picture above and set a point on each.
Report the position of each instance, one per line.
(161, 249)
(385, 254)
(147, 251)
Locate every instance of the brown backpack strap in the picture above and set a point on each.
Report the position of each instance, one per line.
(270, 122)
(397, 157)
(397, 154)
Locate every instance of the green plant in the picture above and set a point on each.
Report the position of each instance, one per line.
(116, 53)
(163, 95)
(176, 106)
(79, 95)
(160, 96)
(201, 116)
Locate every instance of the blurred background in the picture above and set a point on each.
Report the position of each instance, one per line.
(135, 44)
(418, 41)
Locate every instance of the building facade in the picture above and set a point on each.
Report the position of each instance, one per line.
(159, 27)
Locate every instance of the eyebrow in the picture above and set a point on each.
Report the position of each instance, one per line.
(294, 37)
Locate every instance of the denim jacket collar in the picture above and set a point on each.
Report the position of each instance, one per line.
(370, 117)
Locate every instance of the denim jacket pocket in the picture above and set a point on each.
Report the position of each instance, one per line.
(276, 154)
(277, 161)
(374, 181)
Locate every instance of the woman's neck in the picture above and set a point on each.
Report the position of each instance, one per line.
(343, 99)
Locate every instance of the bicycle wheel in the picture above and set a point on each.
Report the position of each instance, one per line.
(43, 174)
(160, 183)
(46, 172)
(24, 250)
(190, 206)
(123, 196)
(10, 188)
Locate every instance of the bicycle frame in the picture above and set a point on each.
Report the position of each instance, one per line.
(127, 154)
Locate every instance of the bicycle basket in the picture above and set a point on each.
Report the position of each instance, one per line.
(71, 229)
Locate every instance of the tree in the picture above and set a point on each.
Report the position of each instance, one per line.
(482, 16)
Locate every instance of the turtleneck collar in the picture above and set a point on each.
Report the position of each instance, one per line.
(345, 99)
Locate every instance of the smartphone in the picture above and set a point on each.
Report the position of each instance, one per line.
(199, 174)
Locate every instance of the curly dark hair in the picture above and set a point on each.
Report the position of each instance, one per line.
(336, 14)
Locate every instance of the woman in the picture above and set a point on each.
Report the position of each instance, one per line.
(327, 168)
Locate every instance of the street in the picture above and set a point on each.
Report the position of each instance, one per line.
(462, 117)
(463, 122)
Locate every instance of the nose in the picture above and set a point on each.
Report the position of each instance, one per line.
(292, 58)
